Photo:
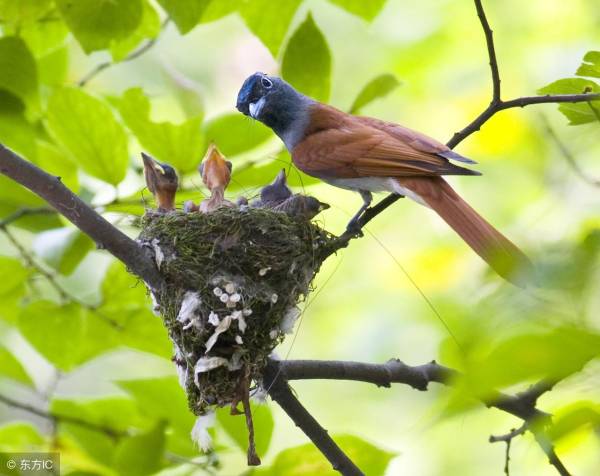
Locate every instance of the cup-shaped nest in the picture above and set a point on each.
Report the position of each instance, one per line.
(234, 280)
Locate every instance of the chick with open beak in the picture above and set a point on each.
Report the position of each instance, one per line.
(162, 182)
(216, 174)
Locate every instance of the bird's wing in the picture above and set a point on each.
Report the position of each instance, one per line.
(415, 139)
(352, 149)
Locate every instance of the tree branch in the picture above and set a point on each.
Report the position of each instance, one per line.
(276, 383)
(105, 235)
(489, 40)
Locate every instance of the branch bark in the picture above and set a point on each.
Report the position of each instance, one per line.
(105, 235)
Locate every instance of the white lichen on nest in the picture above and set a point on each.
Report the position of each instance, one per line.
(234, 281)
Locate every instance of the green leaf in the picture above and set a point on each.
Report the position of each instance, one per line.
(55, 331)
(365, 9)
(180, 145)
(63, 248)
(376, 88)
(307, 460)
(43, 37)
(219, 9)
(96, 24)
(53, 161)
(234, 134)
(573, 418)
(577, 113)
(185, 13)
(306, 62)
(149, 28)
(11, 368)
(13, 276)
(591, 65)
(21, 12)
(19, 71)
(235, 427)
(141, 454)
(268, 23)
(162, 398)
(20, 437)
(53, 67)
(100, 150)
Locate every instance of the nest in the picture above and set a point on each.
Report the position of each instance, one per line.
(234, 279)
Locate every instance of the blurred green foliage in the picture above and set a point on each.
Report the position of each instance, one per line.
(85, 86)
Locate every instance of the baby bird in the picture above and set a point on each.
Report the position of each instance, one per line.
(276, 192)
(162, 182)
(216, 174)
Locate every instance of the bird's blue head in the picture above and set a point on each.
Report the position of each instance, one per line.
(272, 101)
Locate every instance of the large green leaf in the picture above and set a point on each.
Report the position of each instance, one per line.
(577, 113)
(180, 145)
(573, 417)
(235, 427)
(591, 65)
(96, 24)
(19, 72)
(234, 133)
(185, 13)
(307, 460)
(86, 127)
(11, 368)
(141, 454)
(365, 9)
(219, 9)
(376, 88)
(63, 248)
(13, 276)
(307, 61)
(53, 67)
(43, 37)
(148, 28)
(269, 22)
(55, 331)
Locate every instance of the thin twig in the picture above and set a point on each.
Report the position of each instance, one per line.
(58, 418)
(489, 40)
(131, 56)
(23, 212)
(279, 390)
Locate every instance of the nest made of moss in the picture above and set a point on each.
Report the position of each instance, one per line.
(234, 279)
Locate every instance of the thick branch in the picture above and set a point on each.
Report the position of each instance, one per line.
(106, 236)
(276, 383)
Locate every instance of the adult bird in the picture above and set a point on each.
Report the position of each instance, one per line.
(370, 155)
(162, 182)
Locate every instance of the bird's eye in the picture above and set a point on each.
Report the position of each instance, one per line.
(266, 82)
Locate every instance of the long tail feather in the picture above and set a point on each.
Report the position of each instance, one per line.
(497, 250)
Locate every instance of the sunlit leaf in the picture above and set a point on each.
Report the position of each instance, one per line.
(376, 88)
(53, 161)
(13, 276)
(100, 150)
(591, 65)
(11, 368)
(268, 23)
(141, 454)
(96, 24)
(63, 248)
(42, 37)
(148, 28)
(185, 13)
(573, 418)
(219, 9)
(306, 62)
(53, 66)
(235, 427)
(365, 9)
(20, 437)
(234, 133)
(19, 71)
(307, 460)
(180, 145)
(577, 113)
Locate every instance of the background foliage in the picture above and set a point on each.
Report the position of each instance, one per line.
(78, 335)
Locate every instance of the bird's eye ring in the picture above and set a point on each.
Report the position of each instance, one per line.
(266, 82)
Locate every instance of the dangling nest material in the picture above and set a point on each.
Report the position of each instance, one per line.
(234, 279)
